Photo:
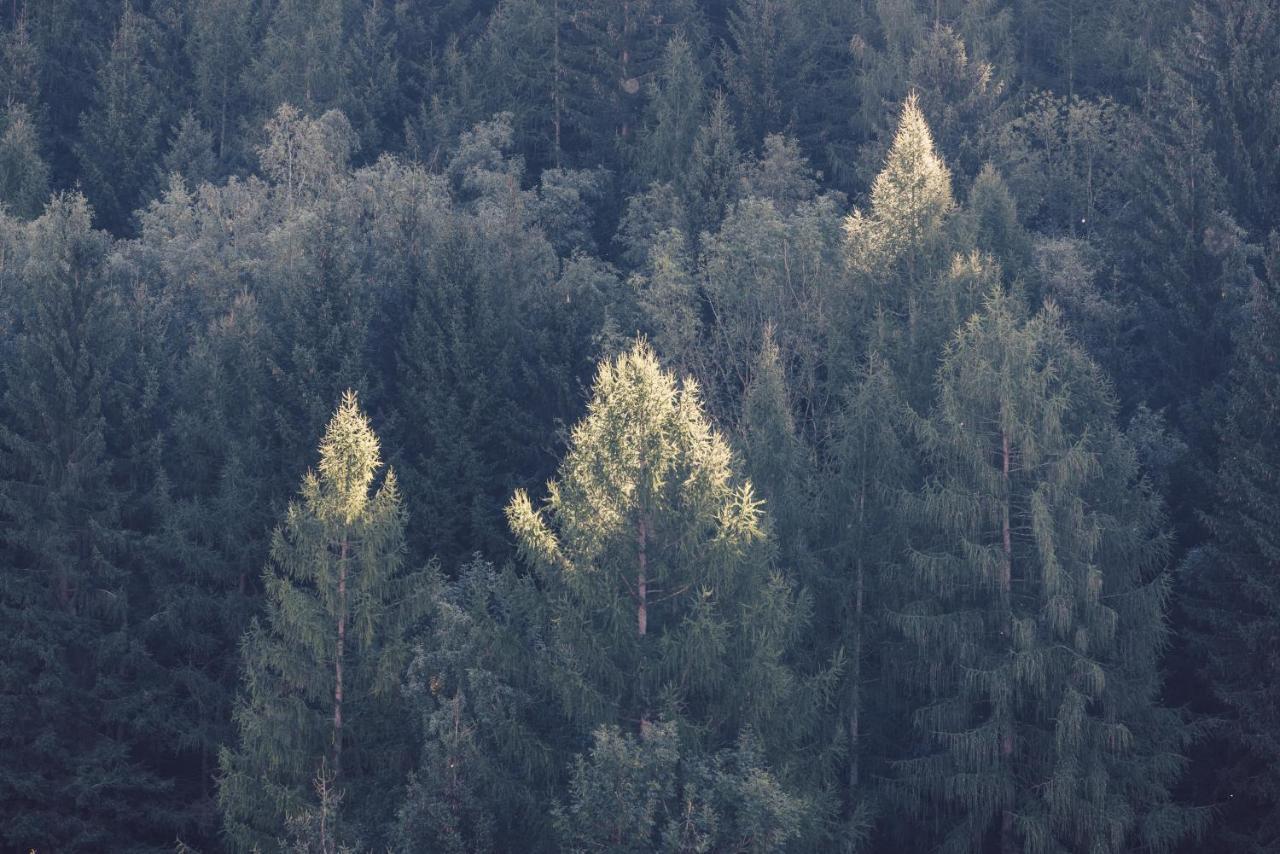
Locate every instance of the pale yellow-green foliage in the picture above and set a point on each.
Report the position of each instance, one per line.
(349, 457)
(644, 450)
(910, 198)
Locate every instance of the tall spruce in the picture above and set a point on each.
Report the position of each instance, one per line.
(323, 668)
(657, 572)
(1234, 580)
(1033, 603)
(76, 716)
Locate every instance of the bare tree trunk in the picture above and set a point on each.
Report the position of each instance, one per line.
(339, 654)
(642, 594)
(1008, 844)
(556, 84)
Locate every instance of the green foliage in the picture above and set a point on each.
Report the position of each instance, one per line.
(632, 794)
(653, 559)
(24, 176)
(1033, 605)
(1233, 580)
(122, 131)
(321, 672)
(75, 685)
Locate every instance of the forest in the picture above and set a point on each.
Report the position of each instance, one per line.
(640, 426)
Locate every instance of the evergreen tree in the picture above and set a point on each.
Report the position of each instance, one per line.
(322, 670)
(675, 111)
(656, 570)
(219, 44)
(710, 181)
(1033, 600)
(19, 76)
(1233, 580)
(121, 132)
(640, 794)
(190, 153)
(75, 684)
(495, 740)
(24, 176)
(300, 58)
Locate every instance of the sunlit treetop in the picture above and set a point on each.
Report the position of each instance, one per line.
(911, 196)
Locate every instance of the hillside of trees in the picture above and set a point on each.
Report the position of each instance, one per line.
(640, 426)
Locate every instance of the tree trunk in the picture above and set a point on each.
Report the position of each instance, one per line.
(642, 594)
(338, 659)
(555, 86)
(1008, 844)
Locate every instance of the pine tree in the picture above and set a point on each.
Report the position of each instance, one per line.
(656, 568)
(19, 75)
(300, 58)
(495, 740)
(640, 794)
(322, 670)
(190, 153)
(1033, 601)
(910, 197)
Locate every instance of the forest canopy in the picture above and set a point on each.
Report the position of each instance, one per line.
(583, 425)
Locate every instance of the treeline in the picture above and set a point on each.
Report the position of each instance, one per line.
(569, 425)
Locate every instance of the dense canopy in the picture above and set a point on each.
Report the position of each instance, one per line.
(660, 425)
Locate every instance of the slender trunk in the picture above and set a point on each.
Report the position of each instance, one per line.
(642, 594)
(855, 693)
(555, 91)
(1008, 844)
(222, 121)
(337, 660)
(855, 676)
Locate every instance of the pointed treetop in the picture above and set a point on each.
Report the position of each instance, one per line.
(349, 457)
(912, 194)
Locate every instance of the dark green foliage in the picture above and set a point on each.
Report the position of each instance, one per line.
(1033, 602)
(121, 132)
(75, 682)
(882, 237)
(24, 176)
(1233, 579)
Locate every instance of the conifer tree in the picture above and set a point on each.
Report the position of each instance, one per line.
(675, 111)
(24, 176)
(710, 181)
(219, 46)
(322, 670)
(75, 684)
(656, 567)
(121, 133)
(641, 795)
(1033, 602)
(910, 197)
(190, 153)
(1234, 580)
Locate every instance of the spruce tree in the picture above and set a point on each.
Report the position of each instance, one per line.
(656, 568)
(1234, 579)
(121, 133)
(219, 44)
(76, 686)
(323, 668)
(24, 176)
(1033, 605)
(675, 110)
